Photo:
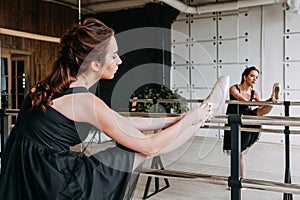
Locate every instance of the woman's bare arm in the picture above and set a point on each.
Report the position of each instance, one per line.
(263, 109)
(95, 111)
(151, 123)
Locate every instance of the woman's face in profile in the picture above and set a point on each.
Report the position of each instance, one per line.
(112, 60)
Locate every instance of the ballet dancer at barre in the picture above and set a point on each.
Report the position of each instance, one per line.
(37, 162)
(245, 92)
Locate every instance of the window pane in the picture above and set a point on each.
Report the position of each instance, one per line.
(4, 82)
(4, 101)
(20, 85)
(13, 102)
(20, 67)
(13, 70)
(4, 66)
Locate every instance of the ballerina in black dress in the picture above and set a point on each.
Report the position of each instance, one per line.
(38, 162)
(245, 92)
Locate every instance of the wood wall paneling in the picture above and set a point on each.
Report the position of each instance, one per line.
(39, 17)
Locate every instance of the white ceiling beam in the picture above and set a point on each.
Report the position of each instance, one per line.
(108, 6)
(215, 7)
(116, 5)
(33, 36)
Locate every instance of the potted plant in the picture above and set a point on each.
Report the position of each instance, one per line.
(149, 95)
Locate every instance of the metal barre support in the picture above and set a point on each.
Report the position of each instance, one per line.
(287, 176)
(234, 181)
(156, 164)
(4, 129)
(2, 132)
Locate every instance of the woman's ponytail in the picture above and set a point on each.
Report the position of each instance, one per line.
(41, 95)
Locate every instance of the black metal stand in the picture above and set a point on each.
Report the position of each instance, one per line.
(235, 181)
(4, 129)
(287, 177)
(156, 164)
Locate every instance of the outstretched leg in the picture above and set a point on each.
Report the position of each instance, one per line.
(242, 166)
(216, 98)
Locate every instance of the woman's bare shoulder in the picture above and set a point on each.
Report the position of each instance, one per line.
(233, 88)
(78, 106)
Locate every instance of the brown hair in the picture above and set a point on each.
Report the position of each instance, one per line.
(78, 46)
(247, 72)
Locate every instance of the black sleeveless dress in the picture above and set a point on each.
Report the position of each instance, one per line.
(247, 138)
(37, 163)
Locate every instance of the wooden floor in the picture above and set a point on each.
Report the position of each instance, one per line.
(265, 161)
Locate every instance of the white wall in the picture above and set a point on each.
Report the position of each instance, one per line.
(224, 43)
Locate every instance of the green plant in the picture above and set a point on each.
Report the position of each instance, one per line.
(156, 92)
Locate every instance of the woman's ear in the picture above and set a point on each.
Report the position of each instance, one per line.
(95, 65)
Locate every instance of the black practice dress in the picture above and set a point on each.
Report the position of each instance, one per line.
(37, 163)
(247, 138)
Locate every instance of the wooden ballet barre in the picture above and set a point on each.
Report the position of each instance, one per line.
(277, 131)
(145, 114)
(206, 178)
(180, 100)
(250, 103)
(260, 103)
(166, 100)
(223, 180)
(218, 119)
(260, 120)
(223, 119)
(141, 100)
(271, 186)
(246, 119)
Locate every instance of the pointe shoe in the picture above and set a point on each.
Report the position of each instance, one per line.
(218, 95)
(275, 92)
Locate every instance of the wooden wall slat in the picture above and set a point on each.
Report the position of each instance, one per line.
(35, 16)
